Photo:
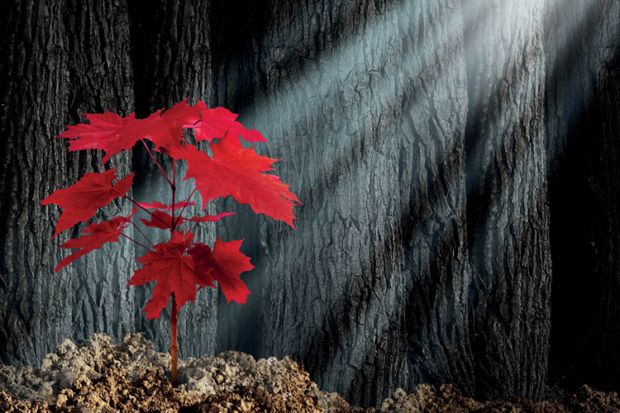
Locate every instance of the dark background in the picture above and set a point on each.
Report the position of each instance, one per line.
(457, 160)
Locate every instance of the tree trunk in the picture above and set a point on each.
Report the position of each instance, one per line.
(507, 204)
(59, 58)
(172, 61)
(365, 103)
(583, 120)
(424, 246)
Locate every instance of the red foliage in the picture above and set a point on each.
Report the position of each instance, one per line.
(81, 200)
(173, 270)
(179, 266)
(239, 172)
(217, 121)
(163, 220)
(224, 264)
(95, 235)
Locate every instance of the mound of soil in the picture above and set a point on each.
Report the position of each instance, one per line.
(100, 375)
(446, 398)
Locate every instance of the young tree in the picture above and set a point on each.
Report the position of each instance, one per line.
(179, 265)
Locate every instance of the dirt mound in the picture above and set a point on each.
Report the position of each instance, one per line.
(102, 376)
(446, 398)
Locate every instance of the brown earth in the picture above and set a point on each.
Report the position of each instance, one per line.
(102, 376)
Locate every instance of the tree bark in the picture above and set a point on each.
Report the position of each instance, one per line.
(507, 203)
(172, 61)
(437, 190)
(583, 118)
(365, 103)
(59, 58)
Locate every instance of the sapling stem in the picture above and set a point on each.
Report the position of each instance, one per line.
(173, 187)
(189, 198)
(174, 346)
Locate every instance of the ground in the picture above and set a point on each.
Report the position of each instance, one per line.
(100, 375)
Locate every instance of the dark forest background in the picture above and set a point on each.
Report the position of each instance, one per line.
(458, 163)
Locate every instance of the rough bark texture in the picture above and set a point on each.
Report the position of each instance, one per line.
(507, 204)
(172, 61)
(583, 124)
(59, 58)
(361, 101)
(424, 245)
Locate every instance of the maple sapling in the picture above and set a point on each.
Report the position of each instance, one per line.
(180, 265)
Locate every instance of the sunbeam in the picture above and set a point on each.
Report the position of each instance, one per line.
(458, 165)
(320, 81)
(420, 62)
(373, 96)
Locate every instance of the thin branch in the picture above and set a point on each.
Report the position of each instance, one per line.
(161, 169)
(145, 210)
(174, 172)
(186, 202)
(174, 187)
(136, 226)
(137, 242)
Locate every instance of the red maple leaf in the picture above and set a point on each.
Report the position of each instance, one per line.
(238, 172)
(167, 132)
(173, 271)
(81, 200)
(95, 235)
(163, 220)
(216, 122)
(180, 116)
(112, 133)
(224, 264)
